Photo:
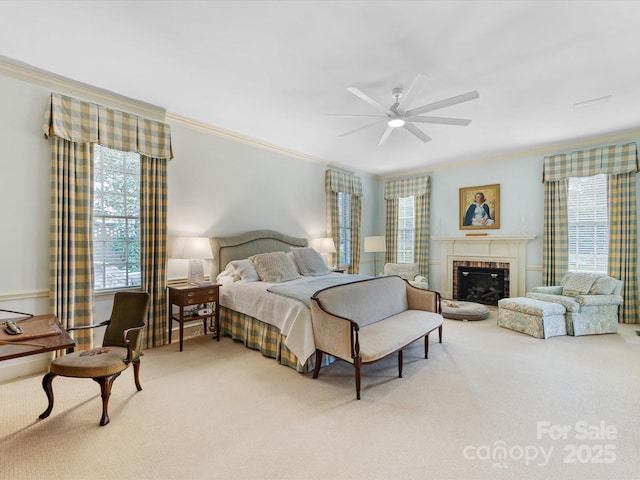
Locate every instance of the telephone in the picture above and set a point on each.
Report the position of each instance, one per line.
(11, 328)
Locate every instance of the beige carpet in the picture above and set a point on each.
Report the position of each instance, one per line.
(489, 403)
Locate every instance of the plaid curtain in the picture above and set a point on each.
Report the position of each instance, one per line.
(555, 233)
(356, 220)
(153, 246)
(391, 230)
(73, 126)
(623, 241)
(71, 238)
(333, 222)
(620, 164)
(421, 239)
(336, 182)
(419, 188)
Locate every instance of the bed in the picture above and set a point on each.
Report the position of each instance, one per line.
(265, 312)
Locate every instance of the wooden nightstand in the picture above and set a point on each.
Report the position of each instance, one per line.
(191, 296)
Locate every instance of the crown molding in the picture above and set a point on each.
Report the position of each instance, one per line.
(541, 150)
(174, 118)
(21, 71)
(27, 73)
(187, 122)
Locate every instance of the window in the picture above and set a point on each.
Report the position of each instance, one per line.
(116, 218)
(588, 224)
(406, 229)
(344, 216)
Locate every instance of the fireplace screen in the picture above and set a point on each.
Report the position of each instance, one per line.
(482, 285)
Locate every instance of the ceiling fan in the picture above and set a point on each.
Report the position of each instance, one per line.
(399, 115)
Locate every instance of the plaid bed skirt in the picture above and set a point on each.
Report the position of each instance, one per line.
(263, 337)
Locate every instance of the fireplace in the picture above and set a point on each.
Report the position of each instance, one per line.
(481, 281)
(490, 251)
(482, 284)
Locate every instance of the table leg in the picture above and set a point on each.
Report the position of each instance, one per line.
(181, 333)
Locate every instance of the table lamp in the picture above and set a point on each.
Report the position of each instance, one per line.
(324, 246)
(194, 249)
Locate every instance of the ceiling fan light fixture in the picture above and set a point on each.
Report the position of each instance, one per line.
(395, 122)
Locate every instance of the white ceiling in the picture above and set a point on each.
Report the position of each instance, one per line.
(272, 70)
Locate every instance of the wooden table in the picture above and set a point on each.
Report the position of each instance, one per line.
(42, 333)
(191, 296)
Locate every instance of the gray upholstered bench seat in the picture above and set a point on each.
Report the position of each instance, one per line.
(378, 339)
(534, 317)
(367, 320)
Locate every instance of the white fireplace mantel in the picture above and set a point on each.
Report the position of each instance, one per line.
(509, 249)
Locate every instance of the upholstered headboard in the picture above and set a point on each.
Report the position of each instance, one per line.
(237, 247)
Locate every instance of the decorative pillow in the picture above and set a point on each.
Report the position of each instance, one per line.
(310, 262)
(604, 285)
(290, 255)
(245, 270)
(577, 284)
(274, 267)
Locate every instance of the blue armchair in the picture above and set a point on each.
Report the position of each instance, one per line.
(409, 271)
(591, 301)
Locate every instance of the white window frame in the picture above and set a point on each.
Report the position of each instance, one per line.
(116, 220)
(406, 229)
(588, 224)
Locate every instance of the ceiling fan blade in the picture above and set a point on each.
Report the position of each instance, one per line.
(462, 122)
(413, 92)
(447, 102)
(385, 135)
(347, 115)
(370, 100)
(417, 132)
(361, 128)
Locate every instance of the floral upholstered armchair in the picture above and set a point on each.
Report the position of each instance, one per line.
(591, 301)
(408, 271)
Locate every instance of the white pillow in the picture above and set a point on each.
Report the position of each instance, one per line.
(310, 262)
(244, 269)
(290, 255)
(226, 279)
(274, 267)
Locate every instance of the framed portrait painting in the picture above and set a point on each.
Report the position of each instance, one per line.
(480, 207)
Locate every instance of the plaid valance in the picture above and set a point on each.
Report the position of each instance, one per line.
(83, 122)
(406, 187)
(610, 160)
(337, 181)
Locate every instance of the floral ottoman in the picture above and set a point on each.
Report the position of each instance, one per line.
(533, 317)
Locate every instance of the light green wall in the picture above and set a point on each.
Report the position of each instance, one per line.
(218, 186)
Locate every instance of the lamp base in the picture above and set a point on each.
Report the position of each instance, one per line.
(196, 272)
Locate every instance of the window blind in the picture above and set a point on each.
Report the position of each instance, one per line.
(116, 221)
(344, 216)
(588, 224)
(406, 229)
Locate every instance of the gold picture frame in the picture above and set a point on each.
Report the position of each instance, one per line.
(483, 216)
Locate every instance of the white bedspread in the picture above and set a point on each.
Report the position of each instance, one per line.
(290, 316)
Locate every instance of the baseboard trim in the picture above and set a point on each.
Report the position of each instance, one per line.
(24, 367)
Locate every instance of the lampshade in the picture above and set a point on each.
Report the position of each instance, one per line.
(191, 248)
(374, 244)
(194, 249)
(323, 245)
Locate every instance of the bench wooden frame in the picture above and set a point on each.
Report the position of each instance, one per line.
(418, 299)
